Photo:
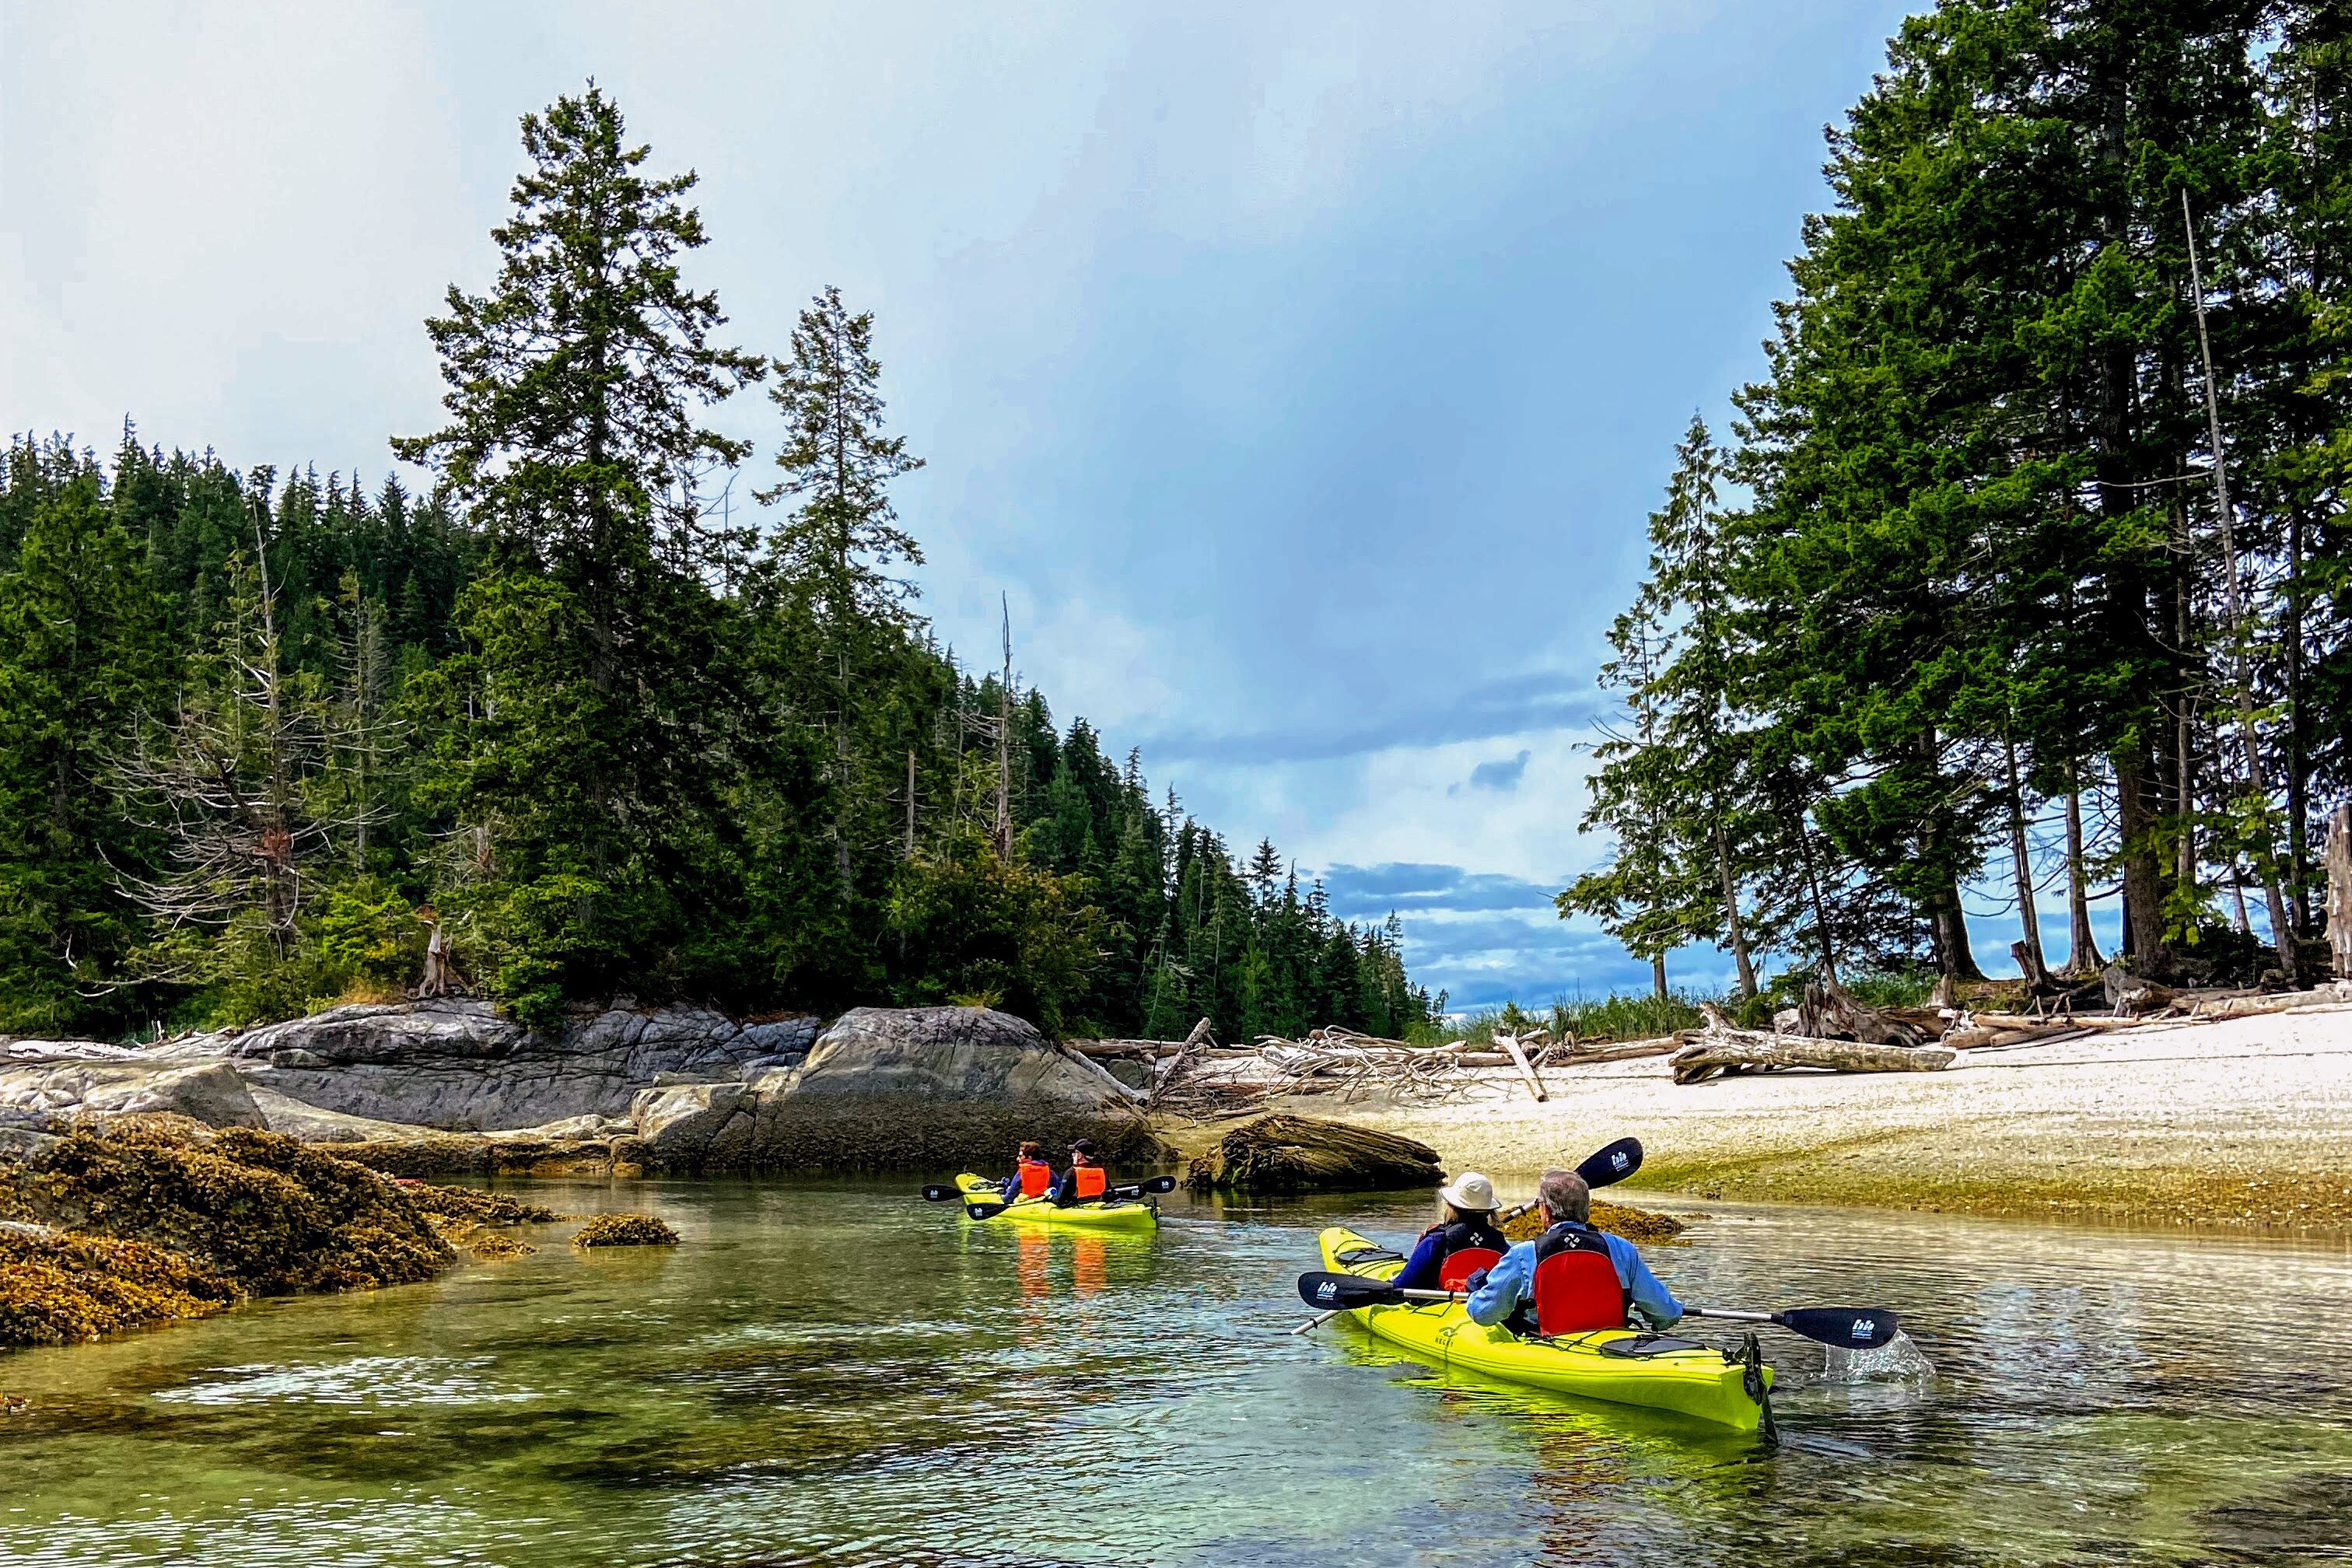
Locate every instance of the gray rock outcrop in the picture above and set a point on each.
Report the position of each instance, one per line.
(458, 1066)
(40, 1093)
(893, 1087)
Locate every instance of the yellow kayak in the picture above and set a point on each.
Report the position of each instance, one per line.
(1128, 1215)
(1697, 1382)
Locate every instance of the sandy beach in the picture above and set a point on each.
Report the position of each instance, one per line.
(2242, 1125)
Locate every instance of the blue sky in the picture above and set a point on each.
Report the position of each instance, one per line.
(1304, 374)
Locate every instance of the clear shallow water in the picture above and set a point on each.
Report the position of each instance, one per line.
(841, 1375)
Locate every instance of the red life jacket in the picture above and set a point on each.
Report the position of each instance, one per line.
(1092, 1181)
(1576, 1286)
(1037, 1178)
(1470, 1246)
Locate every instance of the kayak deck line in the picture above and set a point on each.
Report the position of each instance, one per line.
(1609, 1364)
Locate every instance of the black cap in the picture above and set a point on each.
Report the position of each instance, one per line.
(1083, 1146)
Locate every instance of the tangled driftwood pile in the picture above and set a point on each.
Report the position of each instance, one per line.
(1829, 1030)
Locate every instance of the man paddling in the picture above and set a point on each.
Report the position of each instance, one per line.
(1085, 1179)
(1573, 1279)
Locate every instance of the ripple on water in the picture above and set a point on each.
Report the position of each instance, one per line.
(839, 1376)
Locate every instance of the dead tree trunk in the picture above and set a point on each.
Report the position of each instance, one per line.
(1827, 1011)
(2082, 950)
(2340, 889)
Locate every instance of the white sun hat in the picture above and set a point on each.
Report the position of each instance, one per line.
(1471, 1193)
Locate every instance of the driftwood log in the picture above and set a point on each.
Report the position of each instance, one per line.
(1302, 1153)
(1510, 1044)
(2128, 994)
(1721, 1048)
(1828, 1011)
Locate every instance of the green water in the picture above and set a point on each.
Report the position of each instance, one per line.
(840, 1374)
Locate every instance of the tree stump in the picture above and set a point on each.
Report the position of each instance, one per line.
(1302, 1153)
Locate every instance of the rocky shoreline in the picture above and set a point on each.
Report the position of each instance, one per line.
(447, 1088)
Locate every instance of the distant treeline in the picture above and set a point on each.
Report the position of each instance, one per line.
(2024, 571)
(258, 731)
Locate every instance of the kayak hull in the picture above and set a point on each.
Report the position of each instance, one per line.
(1698, 1384)
(1129, 1218)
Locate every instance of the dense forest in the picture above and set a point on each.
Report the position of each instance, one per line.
(265, 737)
(2026, 566)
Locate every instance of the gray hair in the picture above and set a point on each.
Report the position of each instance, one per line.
(1564, 1195)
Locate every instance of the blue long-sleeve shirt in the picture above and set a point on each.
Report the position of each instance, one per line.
(1512, 1281)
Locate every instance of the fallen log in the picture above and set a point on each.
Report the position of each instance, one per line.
(1627, 1052)
(1721, 1048)
(1302, 1153)
(2128, 994)
(1526, 1071)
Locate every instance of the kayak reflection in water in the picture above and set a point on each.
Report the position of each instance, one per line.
(1085, 1179)
(1573, 1279)
(1031, 1177)
(1464, 1240)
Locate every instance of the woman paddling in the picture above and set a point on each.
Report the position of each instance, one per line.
(1464, 1238)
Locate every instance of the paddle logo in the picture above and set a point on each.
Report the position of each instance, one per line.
(1326, 1291)
(1617, 1161)
(1863, 1328)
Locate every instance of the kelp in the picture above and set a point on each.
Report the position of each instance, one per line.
(257, 1208)
(1642, 1227)
(479, 1206)
(58, 1288)
(624, 1230)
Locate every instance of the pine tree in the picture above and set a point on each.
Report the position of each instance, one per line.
(83, 654)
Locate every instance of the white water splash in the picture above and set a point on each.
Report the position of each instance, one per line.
(1895, 1361)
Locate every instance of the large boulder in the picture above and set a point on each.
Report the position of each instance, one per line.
(42, 1094)
(458, 1066)
(932, 1087)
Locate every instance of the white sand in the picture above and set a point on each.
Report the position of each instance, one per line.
(2262, 1100)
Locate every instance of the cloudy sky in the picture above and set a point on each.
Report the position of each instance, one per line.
(1303, 374)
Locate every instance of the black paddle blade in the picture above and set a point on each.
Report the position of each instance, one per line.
(1344, 1292)
(985, 1211)
(1848, 1327)
(940, 1194)
(1157, 1185)
(1613, 1165)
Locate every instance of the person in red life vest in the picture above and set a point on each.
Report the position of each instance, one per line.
(1031, 1177)
(1462, 1241)
(1085, 1179)
(1573, 1279)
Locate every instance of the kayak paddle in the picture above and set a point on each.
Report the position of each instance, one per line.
(981, 1209)
(1334, 1293)
(1847, 1328)
(1603, 1167)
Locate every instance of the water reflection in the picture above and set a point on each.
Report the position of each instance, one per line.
(846, 1376)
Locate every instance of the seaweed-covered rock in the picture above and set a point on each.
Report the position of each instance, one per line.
(58, 1288)
(624, 1230)
(1644, 1227)
(253, 1206)
(475, 1206)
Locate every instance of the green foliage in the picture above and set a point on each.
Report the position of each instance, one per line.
(368, 929)
(968, 925)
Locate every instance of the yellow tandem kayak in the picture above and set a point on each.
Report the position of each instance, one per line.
(1698, 1382)
(1123, 1215)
